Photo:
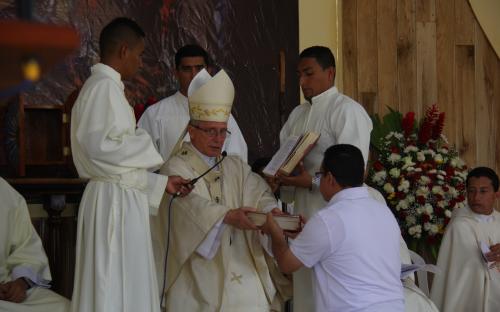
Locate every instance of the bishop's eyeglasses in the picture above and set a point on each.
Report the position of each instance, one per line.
(212, 132)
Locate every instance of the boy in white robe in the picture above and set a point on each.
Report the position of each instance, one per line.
(215, 260)
(24, 269)
(165, 120)
(114, 259)
(469, 256)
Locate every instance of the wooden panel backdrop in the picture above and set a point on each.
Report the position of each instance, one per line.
(410, 54)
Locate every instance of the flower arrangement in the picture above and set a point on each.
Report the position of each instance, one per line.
(419, 174)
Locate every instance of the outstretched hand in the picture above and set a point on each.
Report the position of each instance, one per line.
(178, 186)
(302, 179)
(494, 254)
(239, 219)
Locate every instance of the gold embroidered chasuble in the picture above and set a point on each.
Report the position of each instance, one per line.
(241, 276)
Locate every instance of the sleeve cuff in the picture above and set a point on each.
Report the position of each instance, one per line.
(33, 278)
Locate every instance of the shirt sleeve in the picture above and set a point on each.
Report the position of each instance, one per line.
(315, 242)
(208, 248)
(353, 127)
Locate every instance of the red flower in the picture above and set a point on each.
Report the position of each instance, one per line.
(421, 199)
(426, 218)
(407, 123)
(395, 150)
(378, 166)
(139, 110)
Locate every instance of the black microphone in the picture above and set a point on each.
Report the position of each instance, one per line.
(193, 181)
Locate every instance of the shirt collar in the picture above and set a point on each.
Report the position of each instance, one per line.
(108, 71)
(481, 218)
(181, 98)
(349, 193)
(325, 94)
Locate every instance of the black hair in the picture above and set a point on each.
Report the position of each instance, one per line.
(483, 172)
(118, 31)
(323, 56)
(190, 50)
(345, 162)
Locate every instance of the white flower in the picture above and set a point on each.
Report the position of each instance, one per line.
(427, 226)
(388, 188)
(424, 180)
(410, 199)
(442, 203)
(443, 150)
(420, 156)
(430, 152)
(403, 204)
(452, 192)
(422, 191)
(394, 172)
(393, 158)
(437, 190)
(447, 213)
(404, 186)
(418, 169)
(438, 158)
(440, 177)
(411, 148)
(410, 220)
(379, 177)
(398, 135)
(408, 162)
(428, 209)
(434, 229)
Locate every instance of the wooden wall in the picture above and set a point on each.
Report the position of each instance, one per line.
(410, 54)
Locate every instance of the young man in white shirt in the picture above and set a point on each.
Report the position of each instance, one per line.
(352, 245)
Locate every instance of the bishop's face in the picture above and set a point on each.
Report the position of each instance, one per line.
(208, 136)
(481, 196)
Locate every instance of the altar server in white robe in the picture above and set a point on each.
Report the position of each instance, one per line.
(114, 258)
(24, 268)
(216, 261)
(165, 120)
(339, 119)
(469, 281)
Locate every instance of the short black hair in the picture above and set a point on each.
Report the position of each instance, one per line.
(190, 50)
(118, 31)
(345, 162)
(483, 172)
(323, 56)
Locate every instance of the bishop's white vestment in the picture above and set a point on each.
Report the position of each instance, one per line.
(114, 258)
(213, 266)
(339, 120)
(466, 283)
(22, 255)
(166, 120)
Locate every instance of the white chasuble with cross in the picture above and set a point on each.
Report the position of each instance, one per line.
(240, 276)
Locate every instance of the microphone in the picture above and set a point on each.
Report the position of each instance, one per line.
(193, 181)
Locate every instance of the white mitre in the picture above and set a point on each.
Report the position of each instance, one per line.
(210, 98)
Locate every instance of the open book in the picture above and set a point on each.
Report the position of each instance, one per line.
(286, 222)
(291, 153)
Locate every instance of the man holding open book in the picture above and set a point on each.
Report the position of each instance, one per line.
(338, 119)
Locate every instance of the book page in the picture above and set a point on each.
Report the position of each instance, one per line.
(281, 156)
